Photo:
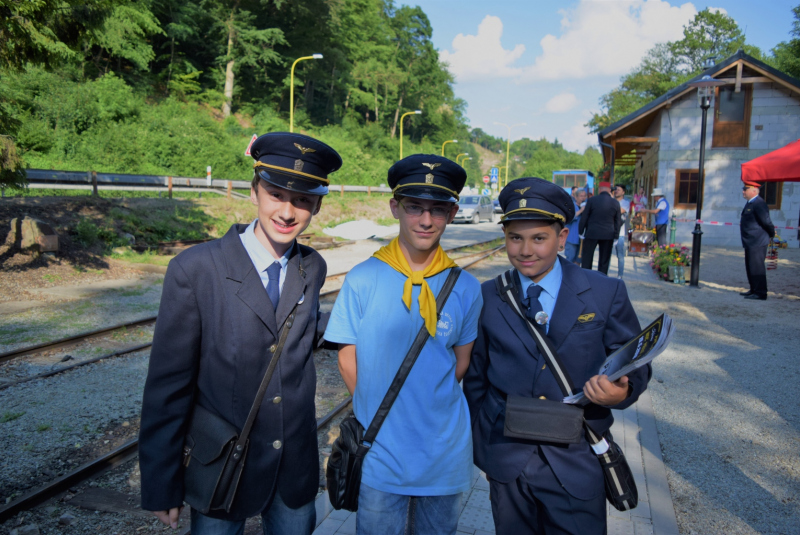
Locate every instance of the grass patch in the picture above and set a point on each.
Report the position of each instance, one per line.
(387, 221)
(10, 416)
(43, 427)
(51, 278)
(484, 247)
(146, 257)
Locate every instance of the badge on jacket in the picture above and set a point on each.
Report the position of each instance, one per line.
(586, 318)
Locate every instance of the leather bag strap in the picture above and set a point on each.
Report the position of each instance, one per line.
(505, 287)
(262, 389)
(408, 362)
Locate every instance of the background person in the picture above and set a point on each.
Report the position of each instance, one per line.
(622, 242)
(223, 305)
(539, 488)
(600, 223)
(420, 464)
(662, 216)
(640, 200)
(573, 246)
(757, 229)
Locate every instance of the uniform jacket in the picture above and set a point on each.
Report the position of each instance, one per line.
(755, 224)
(601, 219)
(505, 361)
(211, 346)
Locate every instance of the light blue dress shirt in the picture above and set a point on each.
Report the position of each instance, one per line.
(260, 257)
(551, 284)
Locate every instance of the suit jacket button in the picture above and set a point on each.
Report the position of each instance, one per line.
(277, 444)
(272, 348)
(542, 397)
(276, 400)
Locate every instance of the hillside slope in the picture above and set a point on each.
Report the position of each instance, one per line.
(489, 159)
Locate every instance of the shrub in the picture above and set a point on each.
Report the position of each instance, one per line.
(669, 255)
(86, 232)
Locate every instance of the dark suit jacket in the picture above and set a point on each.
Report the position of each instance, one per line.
(601, 219)
(211, 346)
(505, 360)
(755, 225)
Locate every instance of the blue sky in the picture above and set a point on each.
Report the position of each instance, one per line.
(546, 64)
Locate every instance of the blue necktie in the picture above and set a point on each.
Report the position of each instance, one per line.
(274, 284)
(534, 305)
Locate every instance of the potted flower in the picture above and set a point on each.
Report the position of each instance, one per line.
(669, 262)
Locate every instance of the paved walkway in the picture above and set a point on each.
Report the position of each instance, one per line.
(634, 430)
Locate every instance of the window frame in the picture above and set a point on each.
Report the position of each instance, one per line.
(676, 199)
(778, 194)
(748, 108)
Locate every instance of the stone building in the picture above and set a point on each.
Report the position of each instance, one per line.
(756, 112)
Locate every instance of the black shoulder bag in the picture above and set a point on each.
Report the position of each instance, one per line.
(347, 453)
(214, 450)
(526, 414)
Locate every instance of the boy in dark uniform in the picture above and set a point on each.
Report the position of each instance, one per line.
(540, 488)
(222, 308)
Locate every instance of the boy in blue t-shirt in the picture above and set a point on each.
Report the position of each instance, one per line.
(421, 461)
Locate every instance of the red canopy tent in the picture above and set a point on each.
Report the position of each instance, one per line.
(782, 165)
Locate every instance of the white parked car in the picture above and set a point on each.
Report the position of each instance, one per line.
(473, 208)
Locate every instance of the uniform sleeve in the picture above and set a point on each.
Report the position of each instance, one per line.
(762, 217)
(322, 317)
(169, 392)
(476, 380)
(346, 315)
(585, 217)
(621, 326)
(473, 303)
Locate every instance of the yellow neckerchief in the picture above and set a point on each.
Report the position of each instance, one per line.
(393, 255)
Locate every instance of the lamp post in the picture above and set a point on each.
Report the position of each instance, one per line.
(415, 112)
(508, 142)
(446, 142)
(705, 94)
(291, 88)
(500, 176)
(460, 155)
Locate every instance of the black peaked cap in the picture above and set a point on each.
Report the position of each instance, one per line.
(295, 162)
(536, 198)
(427, 176)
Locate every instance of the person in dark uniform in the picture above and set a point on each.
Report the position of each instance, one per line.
(539, 488)
(757, 230)
(223, 304)
(600, 225)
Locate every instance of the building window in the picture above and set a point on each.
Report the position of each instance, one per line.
(732, 117)
(772, 193)
(686, 188)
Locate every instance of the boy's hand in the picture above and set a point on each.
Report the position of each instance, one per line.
(169, 518)
(600, 391)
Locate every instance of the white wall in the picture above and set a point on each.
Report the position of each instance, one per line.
(773, 107)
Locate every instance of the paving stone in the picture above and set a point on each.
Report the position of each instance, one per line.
(341, 514)
(479, 499)
(618, 526)
(328, 526)
(642, 529)
(349, 526)
(476, 519)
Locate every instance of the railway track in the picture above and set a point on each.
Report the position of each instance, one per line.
(129, 450)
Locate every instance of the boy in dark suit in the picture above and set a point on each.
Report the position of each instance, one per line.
(223, 305)
(757, 231)
(540, 488)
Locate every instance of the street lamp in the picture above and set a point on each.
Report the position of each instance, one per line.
(460, 155)
(446, 142)
(508, 142)
(705, 93)
(500, 176)
(291, 88)
(415, 112)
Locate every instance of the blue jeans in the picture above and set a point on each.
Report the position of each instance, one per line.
(571, 251)
(278, 519)
(620, 248)
(384, 513)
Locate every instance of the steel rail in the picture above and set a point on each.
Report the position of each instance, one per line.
(72, 340)
(127, 451)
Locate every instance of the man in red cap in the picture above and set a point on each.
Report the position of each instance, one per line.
(600, 224)
(757, 230)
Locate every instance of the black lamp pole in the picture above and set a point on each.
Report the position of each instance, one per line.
(697, 233)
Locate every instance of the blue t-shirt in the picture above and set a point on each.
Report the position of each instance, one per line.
(424, 447)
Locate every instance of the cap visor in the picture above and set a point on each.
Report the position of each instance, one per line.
(293, 183)
(528, 216)
(429, 194)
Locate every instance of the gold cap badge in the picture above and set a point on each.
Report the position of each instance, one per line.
(429, 178)
(431, 166)
(303, 149)
(522, 191)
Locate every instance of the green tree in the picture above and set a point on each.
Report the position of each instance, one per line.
(787, 53)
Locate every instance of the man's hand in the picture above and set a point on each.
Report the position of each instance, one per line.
(169, 518)
(600, 391)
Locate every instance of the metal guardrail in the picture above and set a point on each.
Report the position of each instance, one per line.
(46, 176)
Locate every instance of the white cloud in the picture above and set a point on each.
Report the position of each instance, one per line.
(578, 137)
(482, 56)
(601, 38)
(561, 103)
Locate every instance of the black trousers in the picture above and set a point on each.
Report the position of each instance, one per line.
(536, 504)
(587, 255)
(756, 270)
(661, 235)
